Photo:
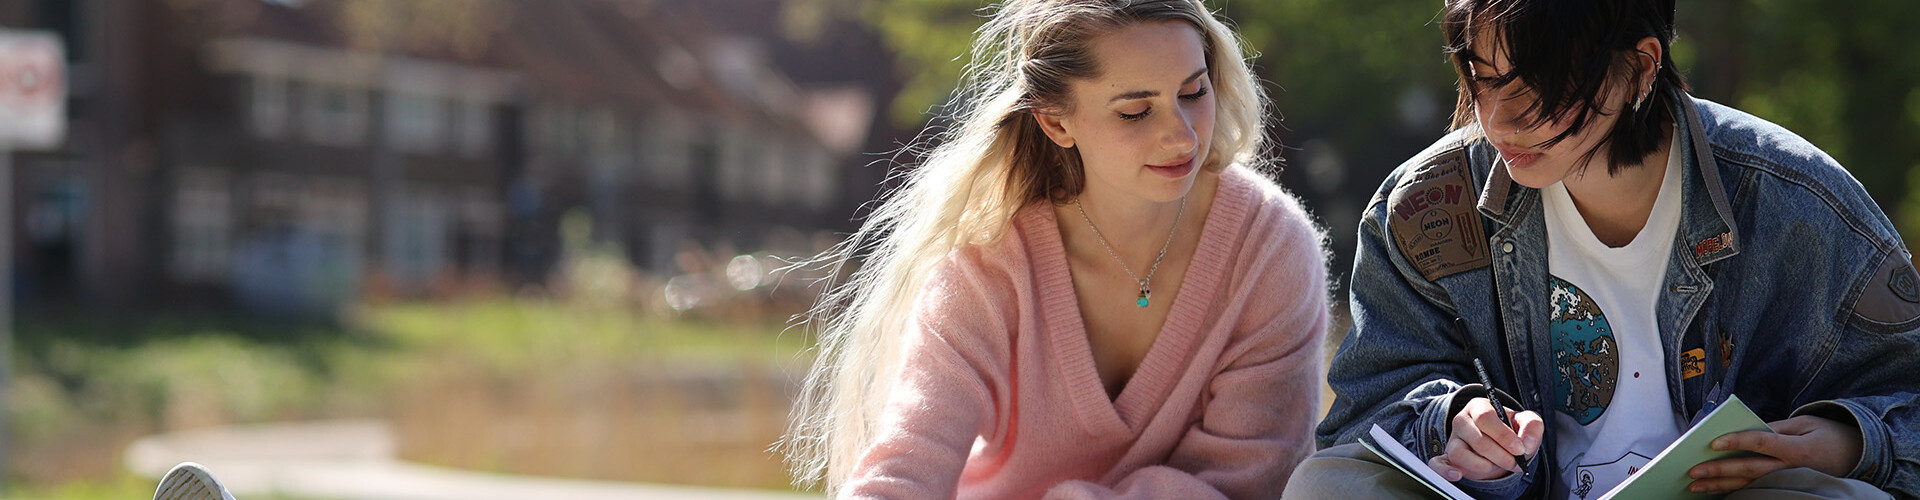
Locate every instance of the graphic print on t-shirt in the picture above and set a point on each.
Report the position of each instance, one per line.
(1585, 354)
(1614, 472)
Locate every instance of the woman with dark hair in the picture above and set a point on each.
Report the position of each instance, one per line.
(1714, 255)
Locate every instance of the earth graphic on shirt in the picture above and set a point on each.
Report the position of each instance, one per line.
(1585, 357)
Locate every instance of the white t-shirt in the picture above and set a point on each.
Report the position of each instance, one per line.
(1612, 412)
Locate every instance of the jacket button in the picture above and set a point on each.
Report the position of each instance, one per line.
(1506, 247)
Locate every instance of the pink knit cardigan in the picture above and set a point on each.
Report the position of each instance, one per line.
(1000, 399)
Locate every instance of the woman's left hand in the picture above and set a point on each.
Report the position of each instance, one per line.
(1817, 443)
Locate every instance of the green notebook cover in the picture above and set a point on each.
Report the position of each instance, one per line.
(1666, 476)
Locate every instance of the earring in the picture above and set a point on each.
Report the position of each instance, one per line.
(1643, 95)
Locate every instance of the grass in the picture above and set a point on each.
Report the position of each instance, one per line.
(512, 335)
(86, 383)
(124, 486)
(611, 381)
(121, 487)
(594, 391)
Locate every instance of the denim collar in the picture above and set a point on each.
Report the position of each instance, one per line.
(1706, 228)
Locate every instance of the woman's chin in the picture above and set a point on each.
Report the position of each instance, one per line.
(1532, 177)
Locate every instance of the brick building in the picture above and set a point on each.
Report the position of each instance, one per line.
(289, 155)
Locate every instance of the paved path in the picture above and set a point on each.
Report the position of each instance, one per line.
(354, 460)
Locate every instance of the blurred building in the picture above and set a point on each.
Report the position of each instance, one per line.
(288, 155)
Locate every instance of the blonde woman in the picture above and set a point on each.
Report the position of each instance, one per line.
(1085, 290)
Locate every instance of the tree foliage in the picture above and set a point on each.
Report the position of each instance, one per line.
(1364, 82)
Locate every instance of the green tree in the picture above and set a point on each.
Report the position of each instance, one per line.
(1323, 58)
(1844, 76)
(930, 39)
(1364, 82)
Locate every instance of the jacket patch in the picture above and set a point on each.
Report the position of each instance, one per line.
(1893, 294)
(1712, 245)
(1902, 284)
(1432, 219)
(1693, 363)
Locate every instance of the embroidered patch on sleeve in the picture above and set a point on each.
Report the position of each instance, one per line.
(1433, 220)
(1893, 294)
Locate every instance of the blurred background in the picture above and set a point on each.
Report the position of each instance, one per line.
(543, 238)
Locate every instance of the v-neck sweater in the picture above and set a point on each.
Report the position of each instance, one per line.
(999, 397)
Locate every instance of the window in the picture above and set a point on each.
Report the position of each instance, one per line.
(774, 167)
(738, 152)
(416, 233)
(559, 129)
(416, 123)
(669, 149)
(267, 107)
(202, 223)
(70, 20)
(335, 206)
(272, 197)
(476, 129)
(334, 211)
(820, 177)
(334, 115)
(482, 225)
(609, 152)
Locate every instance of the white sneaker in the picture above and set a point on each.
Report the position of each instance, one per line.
(190, 481)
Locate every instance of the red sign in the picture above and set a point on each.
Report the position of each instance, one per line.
(33, 90)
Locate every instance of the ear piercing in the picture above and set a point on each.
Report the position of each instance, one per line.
(1649, 91)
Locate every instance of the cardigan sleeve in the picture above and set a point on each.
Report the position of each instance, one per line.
(1257, 421)
(940, 403)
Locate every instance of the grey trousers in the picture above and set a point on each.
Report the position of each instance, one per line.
(1353, 472)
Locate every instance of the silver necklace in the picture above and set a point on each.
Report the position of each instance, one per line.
(1145, 291)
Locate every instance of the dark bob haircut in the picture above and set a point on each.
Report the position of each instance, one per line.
(1567, 53)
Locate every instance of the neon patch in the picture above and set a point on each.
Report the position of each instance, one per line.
(1432, 219)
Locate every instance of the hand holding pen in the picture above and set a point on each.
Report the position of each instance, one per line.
(1486, 442)
(1499, 410)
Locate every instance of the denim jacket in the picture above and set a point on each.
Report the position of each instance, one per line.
(1787, 286)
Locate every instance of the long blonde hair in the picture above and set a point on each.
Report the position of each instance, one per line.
(991, 163)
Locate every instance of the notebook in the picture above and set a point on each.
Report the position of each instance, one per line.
(1665, 477)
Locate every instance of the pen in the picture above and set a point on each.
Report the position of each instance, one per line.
(1499, 410)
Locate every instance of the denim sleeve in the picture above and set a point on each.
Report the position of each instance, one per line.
(1870, 379)
(1399, 367)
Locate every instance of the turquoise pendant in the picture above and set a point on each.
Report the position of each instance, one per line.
(1142, 302)
(1144, 294)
